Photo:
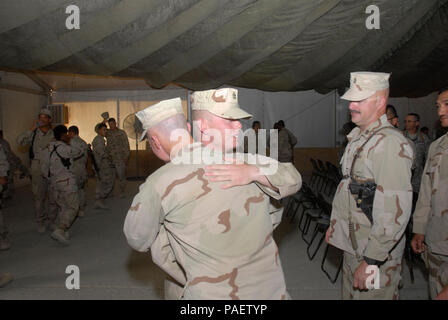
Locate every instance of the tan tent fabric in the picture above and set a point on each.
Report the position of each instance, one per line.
(281, 45)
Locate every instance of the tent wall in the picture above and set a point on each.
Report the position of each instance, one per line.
(85, 108)
(18, 111)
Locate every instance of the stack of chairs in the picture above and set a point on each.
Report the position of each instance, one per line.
(314, 204)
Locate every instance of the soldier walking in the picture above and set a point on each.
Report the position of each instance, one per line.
(57, 167)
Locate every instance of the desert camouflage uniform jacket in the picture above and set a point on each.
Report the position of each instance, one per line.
(221, 239)
(79, 163)
(41, 140)
(431, 213)
(386, 159)
(117, 145)
(61, 177)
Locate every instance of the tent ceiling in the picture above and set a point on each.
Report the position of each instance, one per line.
(281, 45)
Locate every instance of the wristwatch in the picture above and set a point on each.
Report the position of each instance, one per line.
(373, 262)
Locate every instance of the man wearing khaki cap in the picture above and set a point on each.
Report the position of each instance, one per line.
(373, 201)
(217, 243)
(38, 138)
(216, 123)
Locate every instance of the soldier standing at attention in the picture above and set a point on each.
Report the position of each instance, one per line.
(38, 138)
(372, 205)
(431, 213)
(105, 173)
(221, 239)
(79, 166)
(118, 149)
(57, 166)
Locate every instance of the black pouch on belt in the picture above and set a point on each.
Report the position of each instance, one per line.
(365, 193)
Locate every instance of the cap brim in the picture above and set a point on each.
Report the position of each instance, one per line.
(143, 136)
(233, 114)
(354, 94)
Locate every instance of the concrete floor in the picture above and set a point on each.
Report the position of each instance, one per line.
(109, 269)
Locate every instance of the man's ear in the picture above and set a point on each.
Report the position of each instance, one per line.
(156, 142)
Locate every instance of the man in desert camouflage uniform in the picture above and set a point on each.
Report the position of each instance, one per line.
(38, 138)
(105, 174)
(79, 166)
(15, 164)
(431, 213)
(286, 143)
(376, 153)
(118, 149)
(57, 165)
(221, 238)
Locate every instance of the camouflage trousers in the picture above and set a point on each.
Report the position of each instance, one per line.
(81, 181)
(40, 188)
(9, 190)
(104, 181)
(438, 273)
(390, 276)
(67, 205)
(120, 172)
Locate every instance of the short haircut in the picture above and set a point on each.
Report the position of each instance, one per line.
(254, 123)
(414, 115)
(392, 109)
(281, 123)
(443, 90)
(74, 129)
(99, 126)
(58, 131)
(111, 120)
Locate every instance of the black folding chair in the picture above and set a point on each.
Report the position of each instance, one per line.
(322, 225)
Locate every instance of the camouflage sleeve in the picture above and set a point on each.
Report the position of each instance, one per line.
(144, 218)
(423, 206)
(391, 166)
(286, 179)
(4, 165)
(25, 138)
(283, 176)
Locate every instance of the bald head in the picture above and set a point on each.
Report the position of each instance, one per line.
(167, 134)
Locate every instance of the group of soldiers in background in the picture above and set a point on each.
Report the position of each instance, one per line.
(58, 160)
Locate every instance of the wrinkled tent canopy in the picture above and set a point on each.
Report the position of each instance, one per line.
(281, 45)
